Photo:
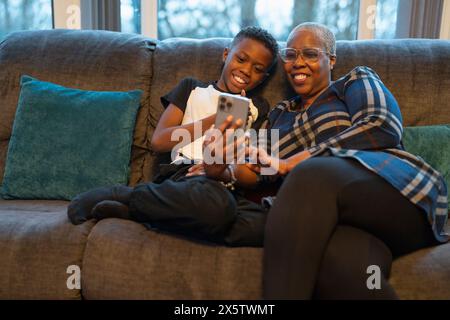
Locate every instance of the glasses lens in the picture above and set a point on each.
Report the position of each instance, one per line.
(311, 54)
(288, 55)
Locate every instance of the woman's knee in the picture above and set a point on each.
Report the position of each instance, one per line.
(352, 258)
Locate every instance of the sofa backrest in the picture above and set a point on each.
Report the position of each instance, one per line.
(416, 71)
(89, 60)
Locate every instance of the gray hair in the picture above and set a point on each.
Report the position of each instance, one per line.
(321, 31)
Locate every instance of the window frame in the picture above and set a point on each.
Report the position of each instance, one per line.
(366, 27)
(445, 21)
(149, 18)
(61, 15)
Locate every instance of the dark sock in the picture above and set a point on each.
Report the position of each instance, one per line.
(80, 208)
(110, 209)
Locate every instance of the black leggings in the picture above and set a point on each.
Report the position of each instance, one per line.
(332, 219)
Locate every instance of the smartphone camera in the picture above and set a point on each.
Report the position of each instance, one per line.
(234, 105)
(224, 104)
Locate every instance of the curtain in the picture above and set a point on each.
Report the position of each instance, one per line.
(419, 18)
(100, 15)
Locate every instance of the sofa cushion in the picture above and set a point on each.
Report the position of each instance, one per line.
(144, 264)
(66, 141)
(432, 143)
(3, 151)
(423, 275)
(87, 60)
(416, 71)
(124, 260)
(37, 245)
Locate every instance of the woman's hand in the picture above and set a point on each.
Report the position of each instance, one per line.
(196, 170)
(260, 160)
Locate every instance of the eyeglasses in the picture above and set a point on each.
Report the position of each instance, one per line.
(289, 55)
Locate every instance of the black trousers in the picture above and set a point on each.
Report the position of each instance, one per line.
(332, 219)
(201, 208)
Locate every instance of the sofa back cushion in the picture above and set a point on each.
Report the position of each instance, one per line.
(416, 71)
(177, 58)
(87, 60)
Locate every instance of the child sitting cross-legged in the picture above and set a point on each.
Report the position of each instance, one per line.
(246, 64)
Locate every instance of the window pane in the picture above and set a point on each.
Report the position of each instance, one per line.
(386, 19)
(130, 16)
(24, 15)
(224, 18)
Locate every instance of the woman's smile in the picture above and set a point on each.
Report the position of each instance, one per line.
(300, 78)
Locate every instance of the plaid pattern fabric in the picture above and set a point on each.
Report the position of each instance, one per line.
(357, 117)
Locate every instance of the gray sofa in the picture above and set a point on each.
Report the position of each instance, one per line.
(122, 259)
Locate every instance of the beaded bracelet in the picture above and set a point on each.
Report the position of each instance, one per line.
(230, 185)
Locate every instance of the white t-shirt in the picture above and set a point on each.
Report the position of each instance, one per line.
(199, 100)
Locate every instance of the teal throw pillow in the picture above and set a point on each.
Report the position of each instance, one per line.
(66, 141)
(431, 143)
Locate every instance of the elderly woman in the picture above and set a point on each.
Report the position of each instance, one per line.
(353, 198)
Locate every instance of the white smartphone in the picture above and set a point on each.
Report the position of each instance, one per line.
(235, 105)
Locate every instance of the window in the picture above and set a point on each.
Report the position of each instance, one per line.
(386, 19)
(130, 14)
(348, 19)
(224, 18)
(25, 15)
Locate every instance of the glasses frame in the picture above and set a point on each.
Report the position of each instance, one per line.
(299, 52)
